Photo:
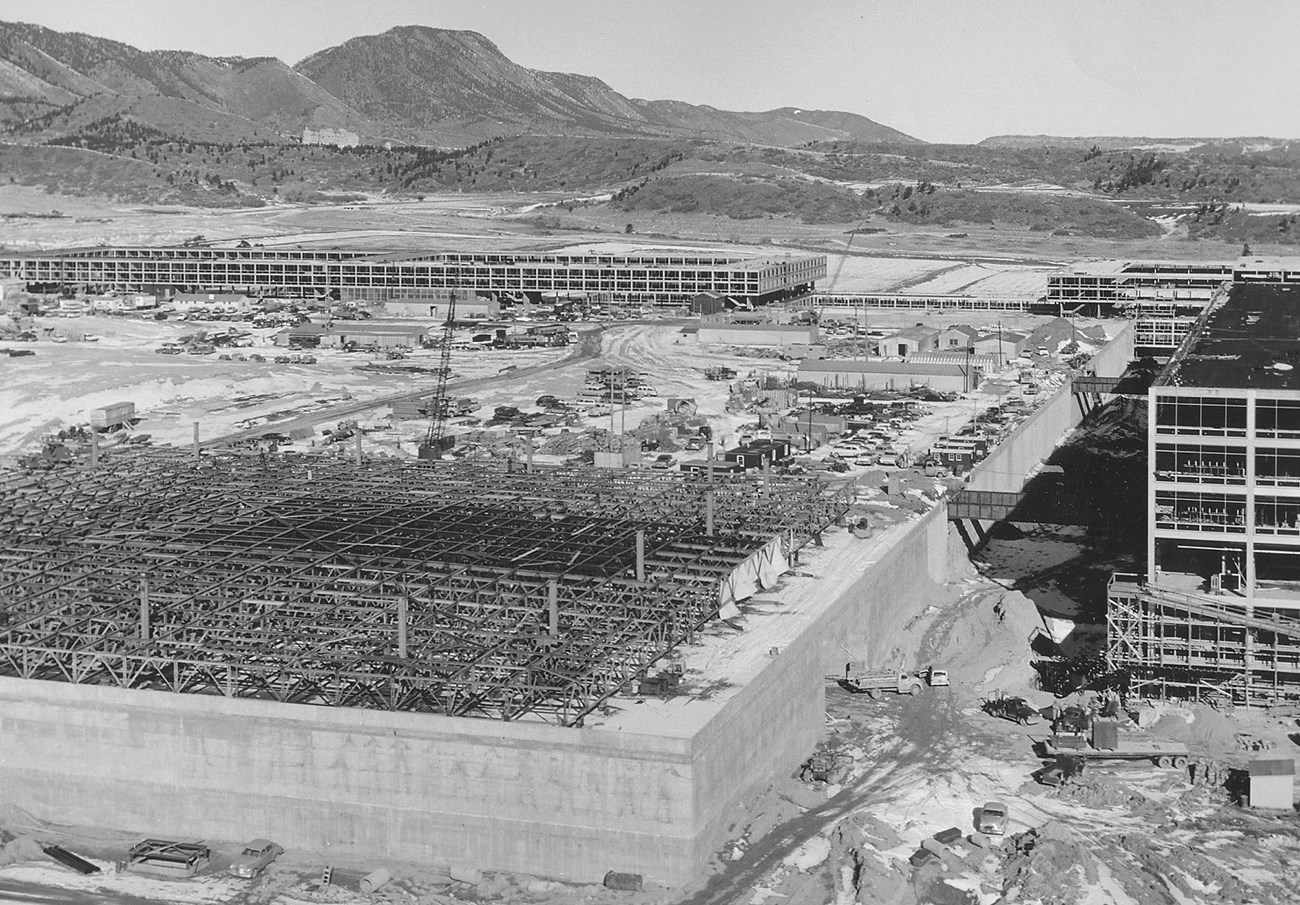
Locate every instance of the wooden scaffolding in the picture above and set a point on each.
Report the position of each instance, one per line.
(1212, 648)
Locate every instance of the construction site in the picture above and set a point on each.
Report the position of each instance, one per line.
(510, 675)
(410, 588)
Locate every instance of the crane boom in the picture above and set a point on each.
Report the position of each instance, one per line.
(436, 442)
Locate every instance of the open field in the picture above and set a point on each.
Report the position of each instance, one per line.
(459, 221)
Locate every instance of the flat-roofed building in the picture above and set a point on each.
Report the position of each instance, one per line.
(1217, 612)
(665, 279)
(1161, 287)
(839, 373)
(779, 336)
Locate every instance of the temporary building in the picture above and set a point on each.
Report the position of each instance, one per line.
(1272, 783)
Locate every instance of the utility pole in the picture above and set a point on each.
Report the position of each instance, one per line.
(807, 445)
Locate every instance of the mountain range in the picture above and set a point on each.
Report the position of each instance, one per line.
(411, 84)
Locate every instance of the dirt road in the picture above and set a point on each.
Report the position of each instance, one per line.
(586, 349)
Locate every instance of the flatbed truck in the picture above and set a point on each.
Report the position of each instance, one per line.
(1160, 752)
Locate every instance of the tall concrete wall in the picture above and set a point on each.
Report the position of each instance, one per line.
(564, 803)
(899, 585)
(1007, 467)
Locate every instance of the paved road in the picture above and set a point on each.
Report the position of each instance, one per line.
(586, 349)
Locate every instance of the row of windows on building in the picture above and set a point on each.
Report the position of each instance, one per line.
(1227, 416)
(1190, 511)
(1225, 465)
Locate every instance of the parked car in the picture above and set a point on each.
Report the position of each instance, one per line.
(663, 460)
(993, 818)
(1015, 709)
(256, 857)
(936, 677)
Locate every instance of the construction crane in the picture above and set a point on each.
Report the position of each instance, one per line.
(839, 265)
(436, 441)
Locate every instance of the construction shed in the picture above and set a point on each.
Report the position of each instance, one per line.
(839, 373)
(367, 334)
(758, 454)
(778, 336)
(910, 341)
(707, 303)
(1272, 783)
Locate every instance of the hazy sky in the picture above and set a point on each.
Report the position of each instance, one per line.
(941, 70)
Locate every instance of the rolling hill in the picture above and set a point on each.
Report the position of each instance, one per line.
(411, 84)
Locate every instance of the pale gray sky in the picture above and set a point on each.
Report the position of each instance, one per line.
(941, 70)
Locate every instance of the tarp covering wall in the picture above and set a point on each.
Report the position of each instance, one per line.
(759, 572)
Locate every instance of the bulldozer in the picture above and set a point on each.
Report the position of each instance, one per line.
(824, 767)
(52, 455)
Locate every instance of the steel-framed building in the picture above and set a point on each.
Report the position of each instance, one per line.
(662, 278)
(1218, 611)
(416, 660)
(1160, 287)
(452, 589)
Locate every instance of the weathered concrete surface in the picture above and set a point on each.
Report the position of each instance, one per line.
(563, 803)
(1029, 445)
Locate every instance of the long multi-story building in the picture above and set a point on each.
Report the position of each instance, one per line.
(661, 278)
(1159, 287)
(1218, 610)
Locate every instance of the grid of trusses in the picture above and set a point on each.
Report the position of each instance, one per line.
(396, 585)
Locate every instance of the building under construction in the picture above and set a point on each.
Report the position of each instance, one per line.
(656, 277)
(166, 617)
(1217, 614)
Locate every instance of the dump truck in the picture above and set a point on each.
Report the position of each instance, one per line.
(1105, 741)
(861, 679)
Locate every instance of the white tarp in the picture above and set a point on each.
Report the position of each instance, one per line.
(760, 570)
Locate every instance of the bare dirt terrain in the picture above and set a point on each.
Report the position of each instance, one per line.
(918, 765)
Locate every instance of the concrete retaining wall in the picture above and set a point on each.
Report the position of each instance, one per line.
(1007, 467)
(563, 803)
(566, 803)
(904, 580)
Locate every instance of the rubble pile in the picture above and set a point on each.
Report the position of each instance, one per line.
(1048, 864)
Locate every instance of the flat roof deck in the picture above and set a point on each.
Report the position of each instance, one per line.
(1251, 342)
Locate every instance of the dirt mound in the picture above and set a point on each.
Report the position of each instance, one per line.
(1105, 791)
(1048, 864)
(21, 848)
(982, 640)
